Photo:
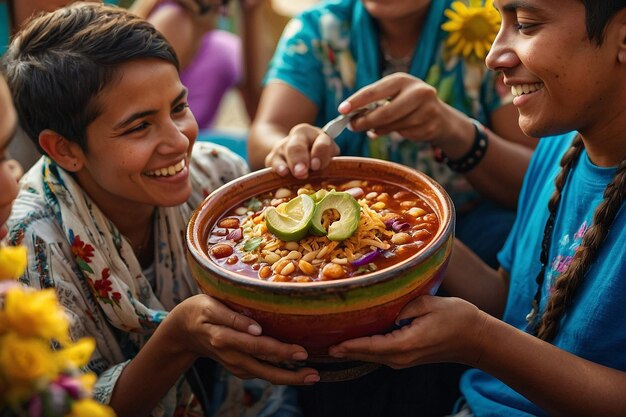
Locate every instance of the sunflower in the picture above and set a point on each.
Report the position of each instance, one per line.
(472, 27)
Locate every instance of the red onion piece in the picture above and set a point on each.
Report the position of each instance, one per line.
(399, 225)
(367, 258)
(236, 235)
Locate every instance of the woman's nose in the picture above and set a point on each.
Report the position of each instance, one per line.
(501, 56)
(178, 136)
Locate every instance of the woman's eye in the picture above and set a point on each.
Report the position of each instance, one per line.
(180, 108)
(523, 26)
(138, 128)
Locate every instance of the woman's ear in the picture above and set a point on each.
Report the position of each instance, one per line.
(621, 21)
(67, 154)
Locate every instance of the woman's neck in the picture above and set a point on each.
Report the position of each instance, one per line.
(136, 223)
(606, 144)
(399, 36)
(139, 230)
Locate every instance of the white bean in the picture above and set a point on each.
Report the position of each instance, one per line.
(282, 193)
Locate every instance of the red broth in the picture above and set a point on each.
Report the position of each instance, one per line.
(395, 224)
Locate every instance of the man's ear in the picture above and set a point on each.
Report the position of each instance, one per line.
(67, 154)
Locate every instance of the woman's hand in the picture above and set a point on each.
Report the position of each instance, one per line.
(204, 327)
(414, 111)
(443, 329)
(305, 147)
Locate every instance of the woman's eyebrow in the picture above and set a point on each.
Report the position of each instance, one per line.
(139, 115)
(519, 4)
(180, 96)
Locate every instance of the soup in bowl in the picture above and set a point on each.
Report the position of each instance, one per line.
(333, 257)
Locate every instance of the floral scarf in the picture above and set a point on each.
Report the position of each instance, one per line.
(75, 249)
(107, 261)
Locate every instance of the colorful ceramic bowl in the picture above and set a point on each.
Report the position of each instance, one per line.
(317, 315)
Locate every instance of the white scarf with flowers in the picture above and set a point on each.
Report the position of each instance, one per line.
(75, 249)
(106, 259)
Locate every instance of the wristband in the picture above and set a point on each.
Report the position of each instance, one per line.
(473, 157)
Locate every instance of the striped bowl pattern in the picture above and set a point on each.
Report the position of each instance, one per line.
(320, 314)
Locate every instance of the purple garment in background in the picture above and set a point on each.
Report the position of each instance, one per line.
(216, 68)
(213, 71)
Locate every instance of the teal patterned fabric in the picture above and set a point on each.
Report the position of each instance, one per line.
(329, 52)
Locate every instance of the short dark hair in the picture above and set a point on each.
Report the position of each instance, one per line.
(598, 13)
(61, 61)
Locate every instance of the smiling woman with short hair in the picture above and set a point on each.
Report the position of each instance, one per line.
(103, 215)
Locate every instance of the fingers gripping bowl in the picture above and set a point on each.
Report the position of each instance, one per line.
(313, 289)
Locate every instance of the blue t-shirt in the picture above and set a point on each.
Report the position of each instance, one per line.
(332, 50)
(594, 327)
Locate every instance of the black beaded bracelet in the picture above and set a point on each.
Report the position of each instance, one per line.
(476, 153)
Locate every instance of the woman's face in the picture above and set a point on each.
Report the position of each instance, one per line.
(8, 177)
(138, 148)
(562, 80)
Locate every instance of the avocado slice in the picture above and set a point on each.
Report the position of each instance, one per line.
(290, 221)
(349, 212)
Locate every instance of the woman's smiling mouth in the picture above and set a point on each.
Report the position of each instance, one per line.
(167, 171)
(521, 89)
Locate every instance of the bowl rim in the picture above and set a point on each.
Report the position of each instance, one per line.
(192, 238)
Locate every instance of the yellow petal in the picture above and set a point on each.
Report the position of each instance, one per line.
(88, 381)
(450, 14)
(460, 8)
(90, 408)
(467, 49)
(459, 47)
(27, 359)
(77, 354)
(480, 50)
(13, 261)
(451, 26)
(35, 314)
(453, 38)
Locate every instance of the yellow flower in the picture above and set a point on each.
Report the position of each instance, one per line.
(473, 28)
(90, 408)
(77, 354)
(26, 360)
(87, 381)
(13, 261)
(34, 313)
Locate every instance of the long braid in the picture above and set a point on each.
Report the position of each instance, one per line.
(568, 283)
(567, 161)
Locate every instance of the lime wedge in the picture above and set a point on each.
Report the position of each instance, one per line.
(290, 221)
(349, 212)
